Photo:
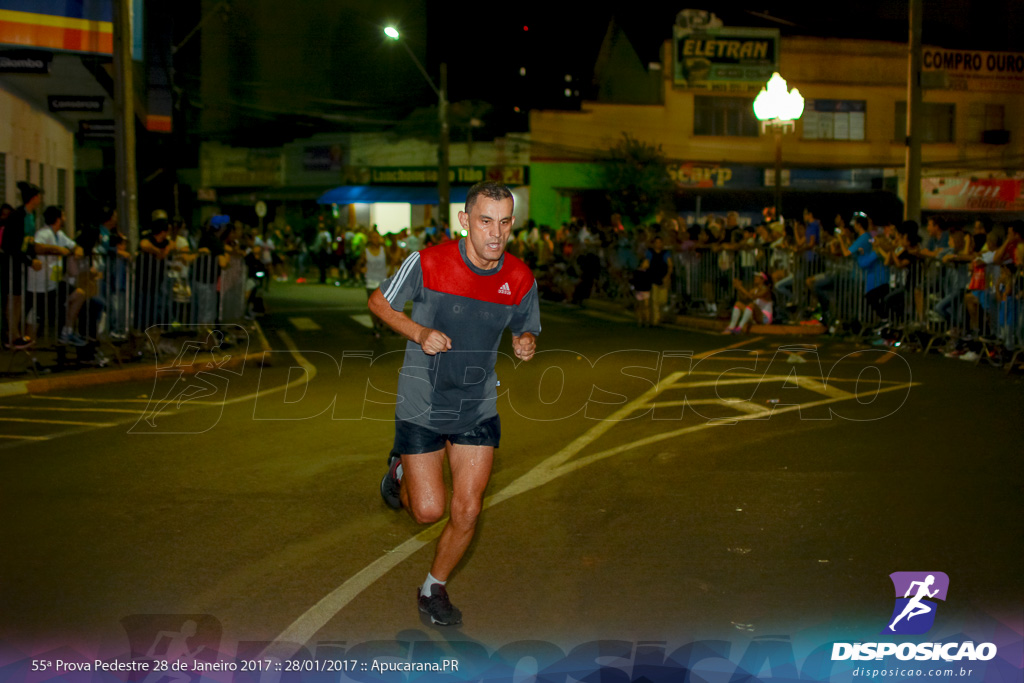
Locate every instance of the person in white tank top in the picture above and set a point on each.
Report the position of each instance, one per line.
(375, 265)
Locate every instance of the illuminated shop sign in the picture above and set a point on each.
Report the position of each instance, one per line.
(724, 59)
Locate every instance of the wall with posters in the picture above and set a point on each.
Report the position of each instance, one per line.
(973, 194)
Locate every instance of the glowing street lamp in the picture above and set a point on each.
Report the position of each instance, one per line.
(778, 108)
(443, 183)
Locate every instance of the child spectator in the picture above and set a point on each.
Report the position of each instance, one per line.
(753, 305)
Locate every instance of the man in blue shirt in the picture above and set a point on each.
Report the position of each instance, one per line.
(876, 276)
(812, 235)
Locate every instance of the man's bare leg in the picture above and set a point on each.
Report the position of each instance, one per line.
(471, 470)
(423, 491)
(424, 495)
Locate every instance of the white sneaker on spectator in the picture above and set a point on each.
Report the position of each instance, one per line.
(970, 356)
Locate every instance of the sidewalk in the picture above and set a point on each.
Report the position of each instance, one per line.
(703, 323)
(145, 368)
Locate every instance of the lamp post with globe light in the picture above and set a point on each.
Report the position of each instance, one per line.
(443, 182)
(778, 109)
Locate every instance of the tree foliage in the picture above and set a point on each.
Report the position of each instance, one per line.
(636, 175)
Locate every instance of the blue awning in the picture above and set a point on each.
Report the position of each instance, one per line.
(370, 194)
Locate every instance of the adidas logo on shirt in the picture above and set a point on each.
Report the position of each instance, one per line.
(504, 289)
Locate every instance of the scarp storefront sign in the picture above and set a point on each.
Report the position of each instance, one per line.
(690, 175)
(724, 59)
(977, 70)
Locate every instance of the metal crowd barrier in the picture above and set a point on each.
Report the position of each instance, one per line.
(104, 301)
(933, 304)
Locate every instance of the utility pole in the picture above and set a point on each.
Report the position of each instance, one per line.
(912, 207)
(124, 123)
(443, 182)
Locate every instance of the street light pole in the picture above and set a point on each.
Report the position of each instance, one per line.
(778, 171)
(443, 181)
(778, 109)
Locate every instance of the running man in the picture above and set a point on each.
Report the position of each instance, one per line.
(465, 294)
(915, 607)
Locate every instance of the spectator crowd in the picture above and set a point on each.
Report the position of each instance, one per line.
(952, 285)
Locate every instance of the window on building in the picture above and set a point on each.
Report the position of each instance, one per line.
(834, 119)
(28, 171)
(724, 116)
(986, 123)
(938, 121)
(42, 176)
(995, 117)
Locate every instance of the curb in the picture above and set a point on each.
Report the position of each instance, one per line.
(88, 378)
(712, 324)
(784, 330)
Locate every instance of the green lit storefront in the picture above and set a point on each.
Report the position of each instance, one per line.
(561, 190)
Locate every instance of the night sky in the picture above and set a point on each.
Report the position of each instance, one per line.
(275, 71)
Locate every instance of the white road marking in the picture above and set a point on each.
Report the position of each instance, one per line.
(304, 324)
(363, 319)
(259, 393)
(63, 409)
(57, 422)
(305, 627)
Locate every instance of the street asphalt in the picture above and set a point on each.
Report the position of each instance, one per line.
(652, 485)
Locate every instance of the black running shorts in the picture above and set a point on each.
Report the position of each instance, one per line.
(411, 438)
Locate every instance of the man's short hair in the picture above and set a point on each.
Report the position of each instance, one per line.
(489, 189)
(52, 214)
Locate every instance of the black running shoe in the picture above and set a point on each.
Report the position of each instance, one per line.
(439, 607)
(389, 485)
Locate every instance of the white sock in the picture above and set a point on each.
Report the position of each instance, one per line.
(425, 589)
(65, 331)
(735, 317)
(748, 315)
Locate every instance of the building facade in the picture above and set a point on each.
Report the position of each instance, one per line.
(848, 148)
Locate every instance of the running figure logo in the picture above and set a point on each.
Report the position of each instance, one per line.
(914, 612)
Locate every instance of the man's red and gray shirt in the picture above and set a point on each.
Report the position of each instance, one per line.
(454, 391)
